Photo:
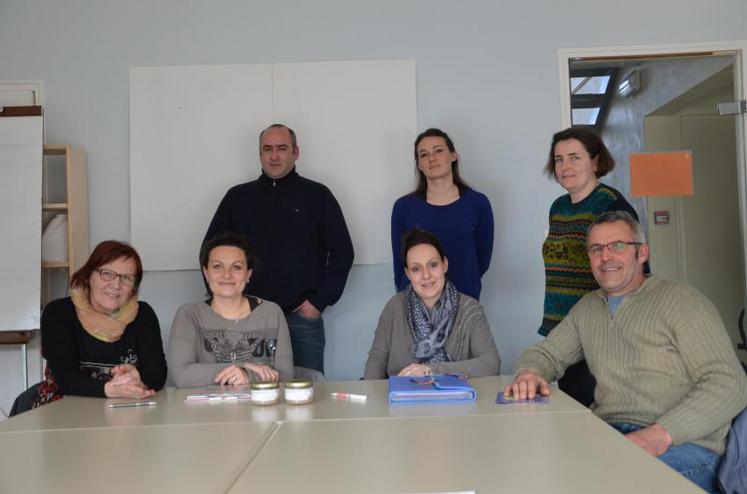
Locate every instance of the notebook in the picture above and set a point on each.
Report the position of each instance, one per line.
(444, 388)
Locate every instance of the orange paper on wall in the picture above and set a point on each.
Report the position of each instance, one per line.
(661, 174)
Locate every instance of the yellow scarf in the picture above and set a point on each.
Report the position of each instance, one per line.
(101, 326)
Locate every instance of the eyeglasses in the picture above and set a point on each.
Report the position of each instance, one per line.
(615, 247)
(109, 275)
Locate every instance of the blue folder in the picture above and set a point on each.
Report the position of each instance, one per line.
(444, 388)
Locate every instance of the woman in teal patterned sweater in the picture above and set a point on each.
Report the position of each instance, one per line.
(578, 159)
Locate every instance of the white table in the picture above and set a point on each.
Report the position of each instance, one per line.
(80, 445)
(78, 412)
(200, 459)
(507, 453)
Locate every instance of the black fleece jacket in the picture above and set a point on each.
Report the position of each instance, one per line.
(299, 236)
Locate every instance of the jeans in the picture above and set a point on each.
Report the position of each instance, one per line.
(307, 340)
(695, 463)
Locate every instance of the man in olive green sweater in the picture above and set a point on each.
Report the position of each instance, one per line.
(667, 375)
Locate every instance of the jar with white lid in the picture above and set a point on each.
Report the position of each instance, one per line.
(265, 393)
(299, 392)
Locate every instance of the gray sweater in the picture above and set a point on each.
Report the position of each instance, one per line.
(470, 345)
(202, 343)
(663, 358)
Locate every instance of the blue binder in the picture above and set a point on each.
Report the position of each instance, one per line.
(430, 390)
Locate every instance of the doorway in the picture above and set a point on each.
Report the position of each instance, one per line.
(701, 244)
(673, 108)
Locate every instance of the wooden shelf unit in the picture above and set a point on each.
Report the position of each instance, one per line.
(75, 206)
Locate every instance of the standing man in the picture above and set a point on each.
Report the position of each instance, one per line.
(303, 247)
(667, 376)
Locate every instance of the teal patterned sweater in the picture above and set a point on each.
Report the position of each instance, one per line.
(568, 274)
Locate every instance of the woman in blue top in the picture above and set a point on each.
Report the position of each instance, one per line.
(443, 204)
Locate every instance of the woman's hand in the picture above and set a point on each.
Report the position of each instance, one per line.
(263, 372)
(128, 370)
(126, 383)
(232, 375)
(416, 370)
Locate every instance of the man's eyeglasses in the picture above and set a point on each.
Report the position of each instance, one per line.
(109, 275)
(615, 247)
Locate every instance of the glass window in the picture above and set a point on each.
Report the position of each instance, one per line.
(590, 85)
(584, 116)
(591, 94)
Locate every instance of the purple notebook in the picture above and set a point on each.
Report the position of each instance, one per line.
(502, 399)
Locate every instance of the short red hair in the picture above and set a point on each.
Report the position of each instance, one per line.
(104, 253)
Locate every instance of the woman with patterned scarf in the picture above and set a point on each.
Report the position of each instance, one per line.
(101, 341)
(431, 328)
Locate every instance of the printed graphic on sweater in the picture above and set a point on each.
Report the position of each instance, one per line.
(233, 346)
(102, 372)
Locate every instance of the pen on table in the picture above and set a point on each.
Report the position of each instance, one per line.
(349, 397)
(133, 404)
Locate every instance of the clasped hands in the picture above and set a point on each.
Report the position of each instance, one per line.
(126, 383)
(236, 374)
(416, 370)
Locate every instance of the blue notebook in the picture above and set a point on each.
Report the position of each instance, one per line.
(444, 388)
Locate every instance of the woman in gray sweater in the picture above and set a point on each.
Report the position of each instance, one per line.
(230, 338)
(430, 328)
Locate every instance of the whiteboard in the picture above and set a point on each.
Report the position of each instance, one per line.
(194, 133)
(21, 145)
(192, 136)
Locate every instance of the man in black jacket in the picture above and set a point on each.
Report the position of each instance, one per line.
(301, 241)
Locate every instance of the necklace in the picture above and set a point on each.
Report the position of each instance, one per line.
(235, 318)
(243, 314)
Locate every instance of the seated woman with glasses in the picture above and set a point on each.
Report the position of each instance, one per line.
(230, 338)
(430, 328)
(102, 341)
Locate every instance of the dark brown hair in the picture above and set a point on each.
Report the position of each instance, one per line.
(422, 188)
(230, 239)
(591, 142)
(418, 236)
(104, 253)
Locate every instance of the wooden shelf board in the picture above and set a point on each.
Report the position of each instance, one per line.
(55, 264)
(55, 149)
(20, 111)
(16, 337)
(54, 206)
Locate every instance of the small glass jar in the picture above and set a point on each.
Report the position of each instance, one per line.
(299, 392)
(265, 393)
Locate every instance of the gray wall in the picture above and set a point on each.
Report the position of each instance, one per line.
(487, 73)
